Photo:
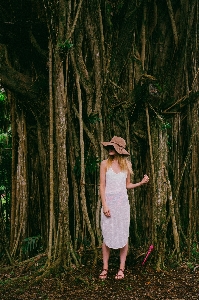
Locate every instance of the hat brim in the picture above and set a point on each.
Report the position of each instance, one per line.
(118, 149)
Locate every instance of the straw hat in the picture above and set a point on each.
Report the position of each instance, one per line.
(118, 143)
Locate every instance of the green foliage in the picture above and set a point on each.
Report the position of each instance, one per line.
(191, 266)
(5, 159)
(4, 111)
(166, 125)
(91, 163)
(5, 174)
(4, 198)
(194, 257)
(4, 139)
(5, 151)
(93, 119)
(114, 7)
(158, 87)
(195, 253)
(85, 242)
(30, 244)
(3, 96)
(65, 46)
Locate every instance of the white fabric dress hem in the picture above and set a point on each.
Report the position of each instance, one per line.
(114, 247)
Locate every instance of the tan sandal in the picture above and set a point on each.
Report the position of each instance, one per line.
(103, 275)
(119, 276)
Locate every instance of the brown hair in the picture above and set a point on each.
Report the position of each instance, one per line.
(124, 163)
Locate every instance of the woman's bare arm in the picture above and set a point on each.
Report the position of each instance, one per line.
(130, 185)
(103, 167)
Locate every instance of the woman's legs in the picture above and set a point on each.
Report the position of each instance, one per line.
(123, 254)
(106, 254)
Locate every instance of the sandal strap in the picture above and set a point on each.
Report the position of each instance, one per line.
(103, 276)
(119, 275)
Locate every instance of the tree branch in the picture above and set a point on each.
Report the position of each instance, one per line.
(15, 81)
(173, 24)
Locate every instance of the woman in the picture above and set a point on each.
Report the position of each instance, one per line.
(115, 215)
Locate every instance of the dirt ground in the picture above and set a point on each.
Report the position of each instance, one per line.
(179, 283)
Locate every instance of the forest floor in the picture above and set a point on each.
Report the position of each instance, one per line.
(179, 282)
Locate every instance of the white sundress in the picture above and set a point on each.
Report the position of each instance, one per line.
(115, 229)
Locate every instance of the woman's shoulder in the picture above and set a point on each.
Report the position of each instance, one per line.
(104, 163)
(128, 162)
(103, 166)
(129, 166)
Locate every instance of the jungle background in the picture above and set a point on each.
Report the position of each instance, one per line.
(74, 73)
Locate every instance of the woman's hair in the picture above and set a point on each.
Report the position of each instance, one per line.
(124, 163)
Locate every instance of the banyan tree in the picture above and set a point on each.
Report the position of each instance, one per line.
(77, 72)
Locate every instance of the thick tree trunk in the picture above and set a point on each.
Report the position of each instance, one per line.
(51, 155)
(20, 221)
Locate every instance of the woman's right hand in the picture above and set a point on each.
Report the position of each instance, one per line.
(106, 211)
